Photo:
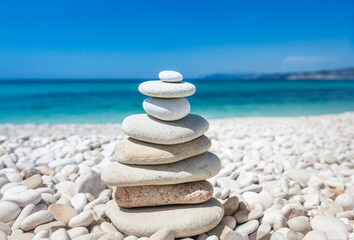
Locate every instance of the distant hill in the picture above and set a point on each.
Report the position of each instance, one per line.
(232, 76)
(340, 74)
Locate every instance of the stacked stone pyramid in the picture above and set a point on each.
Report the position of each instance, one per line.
(159, 177)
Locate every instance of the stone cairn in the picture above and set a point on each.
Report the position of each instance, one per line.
(159, 177)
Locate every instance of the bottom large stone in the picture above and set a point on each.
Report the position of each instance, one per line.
(183, 220)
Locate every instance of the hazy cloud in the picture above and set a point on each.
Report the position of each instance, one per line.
(306, 59)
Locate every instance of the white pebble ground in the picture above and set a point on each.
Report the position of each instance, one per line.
(282, 178)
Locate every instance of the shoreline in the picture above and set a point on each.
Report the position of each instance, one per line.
(113, 129)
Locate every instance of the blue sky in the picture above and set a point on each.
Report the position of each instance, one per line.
(137, 39)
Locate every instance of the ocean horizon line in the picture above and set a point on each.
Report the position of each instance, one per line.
(131, 80)
(254, 117)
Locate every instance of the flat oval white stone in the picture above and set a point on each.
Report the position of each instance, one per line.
(183, 220)
(153, 130)
(170, 76)
(132, 151)
(167, 90)
(8, 211)
(167, 109)
(192, 169)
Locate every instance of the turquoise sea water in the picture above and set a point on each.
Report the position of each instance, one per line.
(111, 101)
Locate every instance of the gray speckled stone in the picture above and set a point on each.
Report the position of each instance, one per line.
(183, 220)
(166, 89)
(153, 130)
(170, 76)
(192, 169)
(132, 151)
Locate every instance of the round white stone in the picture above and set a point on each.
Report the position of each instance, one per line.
(23, 198)
(314, 235)
(60, 234)
(149, 129)
(170, 109)
(84, 219)
(79, 201)
(8, 211)
(166, 90)
(332, 227)
(263, 230)
(346, 201)
(170, 76)
(248, 227)
(299, 224)
(77, 231)
(183, 220)
(36, 219)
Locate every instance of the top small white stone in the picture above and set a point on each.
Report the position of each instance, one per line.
(170, 76)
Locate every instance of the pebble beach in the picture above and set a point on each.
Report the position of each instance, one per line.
(281, 178)
(176, 120)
